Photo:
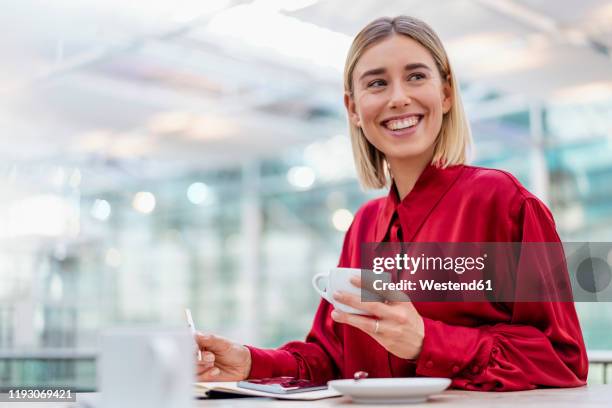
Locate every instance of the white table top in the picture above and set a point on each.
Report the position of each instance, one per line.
(590, 396)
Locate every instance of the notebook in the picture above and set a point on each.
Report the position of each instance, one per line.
(231, 390)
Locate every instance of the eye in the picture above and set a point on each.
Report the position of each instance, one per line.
(416, 76)
(377, 83)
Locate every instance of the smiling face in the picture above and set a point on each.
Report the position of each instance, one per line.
(399, 99)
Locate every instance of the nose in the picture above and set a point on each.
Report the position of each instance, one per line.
(399, 97)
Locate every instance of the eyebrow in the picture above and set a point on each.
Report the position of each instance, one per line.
(409, 67)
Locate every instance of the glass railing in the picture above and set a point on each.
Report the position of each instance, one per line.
(76, 369)
(48, 368)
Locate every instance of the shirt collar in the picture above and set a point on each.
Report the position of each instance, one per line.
(430, 187)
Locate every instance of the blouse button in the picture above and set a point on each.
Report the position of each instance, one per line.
(475, 369)
(429, 364)
(455, 369)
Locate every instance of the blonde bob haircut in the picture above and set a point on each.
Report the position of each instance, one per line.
(453, 141)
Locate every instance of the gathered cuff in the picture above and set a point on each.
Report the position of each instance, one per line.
(267, 363)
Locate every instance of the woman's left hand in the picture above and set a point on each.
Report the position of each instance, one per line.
(400, 328)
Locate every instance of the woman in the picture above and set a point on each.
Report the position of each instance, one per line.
(407, 123)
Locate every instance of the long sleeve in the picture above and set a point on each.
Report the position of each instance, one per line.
(542, 344)
(319, 358)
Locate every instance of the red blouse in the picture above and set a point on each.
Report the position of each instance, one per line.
(481, 346)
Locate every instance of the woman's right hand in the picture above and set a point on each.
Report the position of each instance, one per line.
(222, 359)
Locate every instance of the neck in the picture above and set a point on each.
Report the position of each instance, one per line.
(406, 172)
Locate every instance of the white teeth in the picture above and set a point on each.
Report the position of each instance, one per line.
(402, 123)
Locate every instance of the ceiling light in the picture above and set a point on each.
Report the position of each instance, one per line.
(101, 210)
(199, 193)
(94, 141)
(342, 219)
(496, 53)
(256, 26)
(210, 127)
(144, 202)
(301, 177)
(170, 122)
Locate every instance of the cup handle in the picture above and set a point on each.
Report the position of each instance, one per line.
(165, 356)
(315, 283)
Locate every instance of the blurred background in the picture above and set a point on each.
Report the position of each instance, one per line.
(161, 154)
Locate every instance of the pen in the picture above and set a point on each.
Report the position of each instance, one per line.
(193, 331)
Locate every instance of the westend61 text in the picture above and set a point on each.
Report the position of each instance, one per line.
(430, 284)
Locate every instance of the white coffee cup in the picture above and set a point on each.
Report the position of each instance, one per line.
(146, 367)
(327, 283)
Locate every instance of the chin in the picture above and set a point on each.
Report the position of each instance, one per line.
(406, 157)
(406, 152)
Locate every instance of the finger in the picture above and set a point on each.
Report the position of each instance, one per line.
(202, 367)
(394, 296)
(368, 295)
(208, 362)
(376, 308)
(213, 343)
(209, 375)
(208, 357)
(368, 284)
(363, 323)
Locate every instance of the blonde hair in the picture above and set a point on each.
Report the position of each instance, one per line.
(453, 141)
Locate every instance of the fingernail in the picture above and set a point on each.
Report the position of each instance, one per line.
(335, 314)
(209, 357)
(337, 295)
(215, 371)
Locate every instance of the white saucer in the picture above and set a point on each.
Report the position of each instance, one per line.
(390, 390)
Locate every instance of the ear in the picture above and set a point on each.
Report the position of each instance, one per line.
(447, 95)
(349, 104)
